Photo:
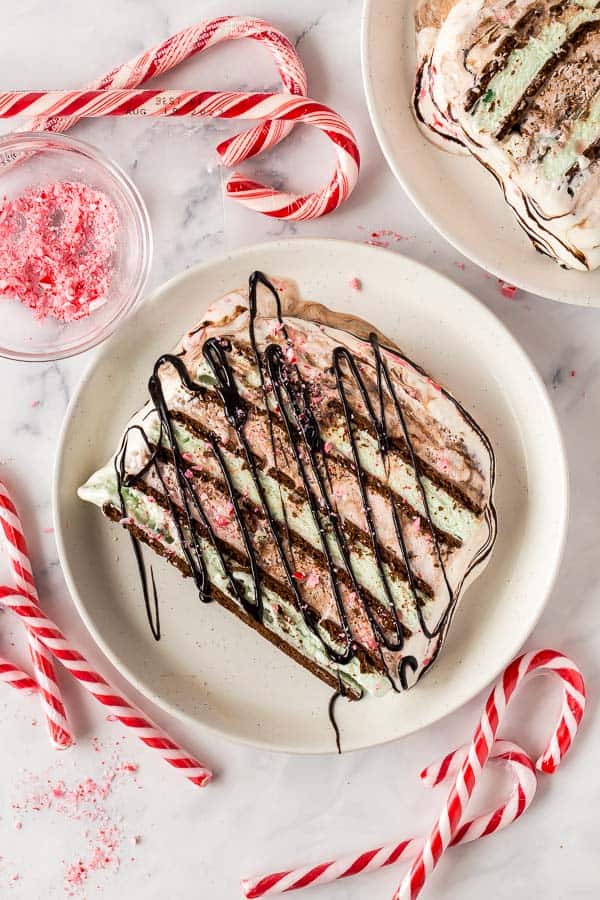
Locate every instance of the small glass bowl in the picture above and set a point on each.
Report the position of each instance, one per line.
(31, 160)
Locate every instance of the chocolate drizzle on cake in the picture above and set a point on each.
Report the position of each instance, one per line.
(518, 86)
(287, 395)
(518, 36)
(554, 66)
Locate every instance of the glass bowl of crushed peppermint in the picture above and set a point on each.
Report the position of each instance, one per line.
(75, 246)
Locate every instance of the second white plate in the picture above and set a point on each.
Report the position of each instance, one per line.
(211, 668)
(454, 193)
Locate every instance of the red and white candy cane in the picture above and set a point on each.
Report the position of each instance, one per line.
(116, 706)
(45, 676)
(522, 793)
(222, 105)
(13, 676)
(519, 671)
(180, 47)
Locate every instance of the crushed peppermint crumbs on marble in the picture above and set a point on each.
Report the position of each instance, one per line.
(44, 799)
(57, 245)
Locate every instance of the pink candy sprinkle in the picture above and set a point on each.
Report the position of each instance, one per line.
(222, 521)
(57, 244)
(327, 447)
(507, 290)
(355, 284)
(387, 233)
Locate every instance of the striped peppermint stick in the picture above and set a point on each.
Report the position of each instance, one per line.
(522, 793)
(116, 94)
(49, 690)
(519, 671)
(116, 706)
(189, 42)
(9, 674)
(222, 105)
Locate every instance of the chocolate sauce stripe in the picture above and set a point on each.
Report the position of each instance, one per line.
(397, 443)
(399, 451)
(491, 518)
(233, 554)
(400, 447)
(355, 534)
(300, 545)
(202, 433)
(225, 601)
(303, 436)
(519, 111)
(542, 244)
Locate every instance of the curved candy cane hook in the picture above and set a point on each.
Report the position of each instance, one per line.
(189, 42)
(573, 704)
(521, 795)
(519, 671)
(520, 798)
(217, 105)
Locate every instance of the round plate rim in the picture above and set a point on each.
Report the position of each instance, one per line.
(427, 210)
(124, 670)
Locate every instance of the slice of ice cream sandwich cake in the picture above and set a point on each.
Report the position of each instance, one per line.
(312, 480)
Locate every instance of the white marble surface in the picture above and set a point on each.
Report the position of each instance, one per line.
(264, 809)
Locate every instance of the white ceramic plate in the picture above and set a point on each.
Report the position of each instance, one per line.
(217, 671)
(454, 193)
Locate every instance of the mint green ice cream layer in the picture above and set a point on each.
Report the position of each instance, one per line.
(508, 86)
(280, 616)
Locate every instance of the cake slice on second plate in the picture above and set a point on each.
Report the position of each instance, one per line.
(517, 84)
